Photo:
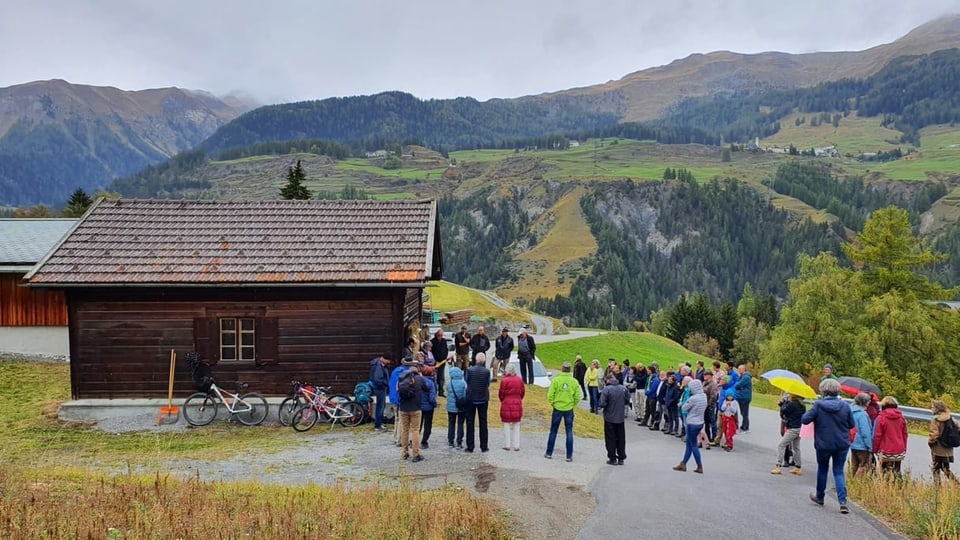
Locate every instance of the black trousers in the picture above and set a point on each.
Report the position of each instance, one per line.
(650, 411)
(583, 388)
(526, 370)
(426, 425)
(477, 413)
(616, 440)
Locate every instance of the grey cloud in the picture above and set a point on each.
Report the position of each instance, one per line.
(307, 49)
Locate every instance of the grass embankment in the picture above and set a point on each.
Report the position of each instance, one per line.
(59, 504)
(914, 508)
(636, 346)
(40, 497)
(446, 296)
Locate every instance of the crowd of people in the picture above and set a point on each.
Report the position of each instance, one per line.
(703, 407)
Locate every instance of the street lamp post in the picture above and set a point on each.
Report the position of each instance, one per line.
(612, 307)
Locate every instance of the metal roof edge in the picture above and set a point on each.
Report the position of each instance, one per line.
(33, 271)
(431, 234)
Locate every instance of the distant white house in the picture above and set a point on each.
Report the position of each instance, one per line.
(377, 154)
(826, 151)
(574, 144)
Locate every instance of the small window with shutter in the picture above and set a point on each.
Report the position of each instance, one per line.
(238, 339)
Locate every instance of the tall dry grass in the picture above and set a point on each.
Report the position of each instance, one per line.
(915, 508)
(70, 504)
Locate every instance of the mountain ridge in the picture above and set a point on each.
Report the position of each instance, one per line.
(646, 94)
(57, 136)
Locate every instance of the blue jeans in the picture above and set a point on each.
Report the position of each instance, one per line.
(567, 417)
(381, 396)
(693, 431)
(594, 398)
(839, 458)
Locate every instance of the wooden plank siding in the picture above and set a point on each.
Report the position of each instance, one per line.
(23, 306)
(121, 338)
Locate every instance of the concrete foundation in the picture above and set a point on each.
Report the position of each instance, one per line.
(49, 342)
(136, 414)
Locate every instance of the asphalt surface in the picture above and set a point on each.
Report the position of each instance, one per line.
(736, 497)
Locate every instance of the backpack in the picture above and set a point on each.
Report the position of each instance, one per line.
(949, 435)
(363, 392)
(406, 388)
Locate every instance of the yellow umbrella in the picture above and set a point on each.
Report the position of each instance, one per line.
(793, 386)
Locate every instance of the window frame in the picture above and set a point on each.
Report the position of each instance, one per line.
(238, 347)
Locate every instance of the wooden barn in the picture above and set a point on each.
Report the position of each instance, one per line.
(32, 322)
(267, 291)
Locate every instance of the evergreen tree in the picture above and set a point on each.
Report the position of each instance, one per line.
(77, 204)
(295, 188)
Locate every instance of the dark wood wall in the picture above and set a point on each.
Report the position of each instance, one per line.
(23, 306)
(120, 339)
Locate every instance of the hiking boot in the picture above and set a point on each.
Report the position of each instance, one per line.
(815, 500)
(844, 509)
(699, 469)
(619, 462)
(682, 467)
(417, 459)
(424, 445)
(776, 470)
(796, 472)
(611, 461)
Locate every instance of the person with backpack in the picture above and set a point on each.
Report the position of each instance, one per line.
(410, 390)
(456, 407)
(380, 380)
(428, 402)
(944, 437)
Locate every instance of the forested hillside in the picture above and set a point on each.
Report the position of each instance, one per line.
(911, 92)
(657, 240)
(460, 122)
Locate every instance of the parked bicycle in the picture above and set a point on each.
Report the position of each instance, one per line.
(202, 407)
(300, 395)
(322, 407)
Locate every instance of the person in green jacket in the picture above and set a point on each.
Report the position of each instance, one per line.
(563, 395)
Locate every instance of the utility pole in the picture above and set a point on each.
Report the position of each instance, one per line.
(612, 307)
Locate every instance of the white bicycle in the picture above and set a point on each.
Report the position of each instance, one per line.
(201, 408)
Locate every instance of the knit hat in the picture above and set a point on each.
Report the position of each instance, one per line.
(728, 393)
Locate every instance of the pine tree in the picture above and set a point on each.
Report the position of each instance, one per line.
(295, 188)
(77, 204)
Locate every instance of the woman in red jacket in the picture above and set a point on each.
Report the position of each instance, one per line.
(511, 395)
(890, 436)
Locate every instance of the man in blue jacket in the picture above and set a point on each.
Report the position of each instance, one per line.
(832, 421)
(380, 380)
(650, 392)
(743, 393)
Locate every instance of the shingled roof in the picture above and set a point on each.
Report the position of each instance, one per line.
(161, 242)
(24, 241)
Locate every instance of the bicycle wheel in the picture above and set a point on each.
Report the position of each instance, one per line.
(350, 414)
(288, 407)
(253, 409)
(200, 409)
(304, 419)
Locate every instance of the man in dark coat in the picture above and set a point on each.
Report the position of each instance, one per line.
(501, 356)
(579, 372)
(461, 343)
(380, 379)
(526, 350)
(613, 400)
(440, 353)
(479, 343)
(478, 398)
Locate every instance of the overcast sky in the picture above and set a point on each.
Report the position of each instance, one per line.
(286, 50)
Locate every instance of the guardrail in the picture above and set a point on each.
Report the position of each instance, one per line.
(920, 414)
(917, 414)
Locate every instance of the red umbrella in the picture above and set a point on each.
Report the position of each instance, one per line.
(856, 385)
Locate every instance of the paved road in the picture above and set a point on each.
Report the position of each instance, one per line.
(541, 325)
(646, 498)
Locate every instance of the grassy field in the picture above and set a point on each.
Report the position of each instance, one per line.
(854, 135)
(637, 346)
(554, 263)
(446, 296)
